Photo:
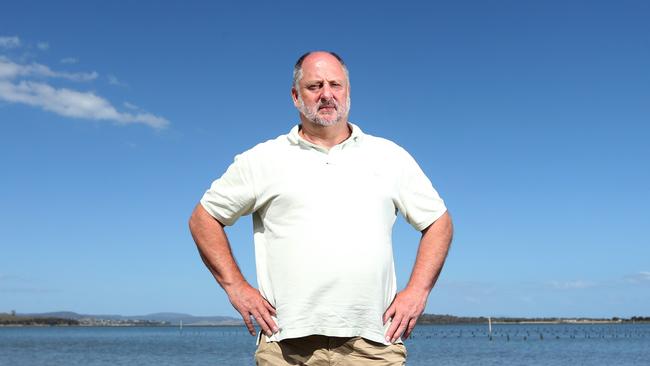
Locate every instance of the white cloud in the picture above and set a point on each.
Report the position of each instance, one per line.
(9, 42)
(72, 103)
(640, 277)
(11, 70)
(35, 85)
(114, 81)
(69, 60)
(11, 278)
(6, 277)
(131, 106)
(28, 290)
(472, 300)
(571, 285)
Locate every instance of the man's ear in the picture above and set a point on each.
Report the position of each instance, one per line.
(294, 96)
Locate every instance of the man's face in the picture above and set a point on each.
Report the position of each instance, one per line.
(323, 92)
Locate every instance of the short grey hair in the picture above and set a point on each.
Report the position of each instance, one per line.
(297, 69)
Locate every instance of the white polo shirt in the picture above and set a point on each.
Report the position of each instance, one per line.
(322, 222)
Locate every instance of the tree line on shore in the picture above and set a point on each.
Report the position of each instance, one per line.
(9, 319)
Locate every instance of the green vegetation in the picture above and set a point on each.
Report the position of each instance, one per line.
(640, 319)
(13, 319)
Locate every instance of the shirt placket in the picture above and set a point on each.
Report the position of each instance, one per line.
(333, 155)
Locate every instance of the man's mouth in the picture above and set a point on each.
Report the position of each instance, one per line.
(327, 107)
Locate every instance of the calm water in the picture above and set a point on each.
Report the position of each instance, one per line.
(574, 345)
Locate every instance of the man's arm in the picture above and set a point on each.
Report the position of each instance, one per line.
(213, 246)
(409, 303)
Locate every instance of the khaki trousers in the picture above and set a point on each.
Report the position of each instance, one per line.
(317, 350)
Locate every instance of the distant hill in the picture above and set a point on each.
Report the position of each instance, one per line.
(171, 318)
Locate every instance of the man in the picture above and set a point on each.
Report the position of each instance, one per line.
(324, 199)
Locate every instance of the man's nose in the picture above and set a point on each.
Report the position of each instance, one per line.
(326, 93)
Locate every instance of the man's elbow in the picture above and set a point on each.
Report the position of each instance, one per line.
(195, 218)
(447, 223)
(200, 218)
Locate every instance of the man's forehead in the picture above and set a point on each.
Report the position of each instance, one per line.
(322, 64)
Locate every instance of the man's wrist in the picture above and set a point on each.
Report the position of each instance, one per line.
(420, 290)
(234, 286)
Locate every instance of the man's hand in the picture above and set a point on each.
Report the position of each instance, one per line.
(249, 302)
(213, 246)
(405, 310)
(409, 304)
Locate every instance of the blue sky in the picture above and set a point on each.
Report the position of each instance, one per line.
(530, 119)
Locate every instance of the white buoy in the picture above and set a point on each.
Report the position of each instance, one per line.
(490, 326)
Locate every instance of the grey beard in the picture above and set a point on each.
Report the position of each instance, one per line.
(312, 114)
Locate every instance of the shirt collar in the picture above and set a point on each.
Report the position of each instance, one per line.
(355, 137)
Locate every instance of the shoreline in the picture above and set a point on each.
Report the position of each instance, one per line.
(586, 322)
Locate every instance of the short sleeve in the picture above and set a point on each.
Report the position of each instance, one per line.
(418, 201)
(233, 194)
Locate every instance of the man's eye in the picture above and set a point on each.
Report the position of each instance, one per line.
(313, 87)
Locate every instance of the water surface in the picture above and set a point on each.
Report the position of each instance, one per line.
(521, 344)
